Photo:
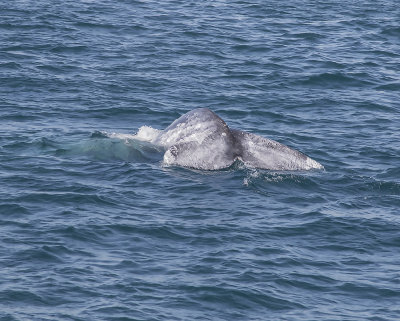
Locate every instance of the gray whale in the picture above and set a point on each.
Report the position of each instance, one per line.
(201, 139)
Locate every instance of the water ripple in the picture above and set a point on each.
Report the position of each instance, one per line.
(94, 228)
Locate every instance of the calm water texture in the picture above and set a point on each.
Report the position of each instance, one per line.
(93, 227)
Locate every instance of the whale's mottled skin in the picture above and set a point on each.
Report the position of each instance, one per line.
(201, 139)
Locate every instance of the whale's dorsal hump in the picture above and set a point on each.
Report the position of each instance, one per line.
(264, 153)
(199, 139)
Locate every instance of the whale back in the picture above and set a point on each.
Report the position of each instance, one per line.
(199, 139)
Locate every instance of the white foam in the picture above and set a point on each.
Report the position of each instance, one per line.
(147, 134)
(121, 136)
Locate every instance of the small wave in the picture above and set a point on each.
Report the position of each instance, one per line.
(391, 31)
(336, 80)
(391, 86)
(98, 134)
(13, 210)
(252, 49)
(21, 296)
(30, 146)
(69, 49)
(40, 256)
(310, 36)
(382, 187)
(10, 65)
(259, 179)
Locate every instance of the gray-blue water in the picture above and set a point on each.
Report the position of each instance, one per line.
(94, 227)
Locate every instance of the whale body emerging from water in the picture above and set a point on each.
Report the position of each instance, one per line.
(201, 139)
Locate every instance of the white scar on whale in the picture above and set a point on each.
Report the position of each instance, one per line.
(200, 139)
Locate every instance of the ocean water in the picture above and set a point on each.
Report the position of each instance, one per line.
(94, 227)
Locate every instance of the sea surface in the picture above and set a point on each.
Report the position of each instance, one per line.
(94, 227)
